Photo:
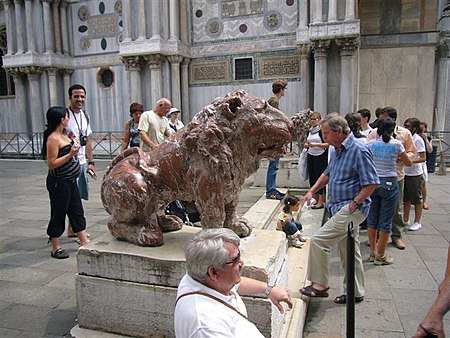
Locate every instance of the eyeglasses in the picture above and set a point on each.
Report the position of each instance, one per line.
(407, 125)
(235, 261)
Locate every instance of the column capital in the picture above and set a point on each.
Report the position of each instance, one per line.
(185, 61)
(51, 70)
(7, 3)
(32, 71)
(48, 1)
(18, 2)
(348, 46)
(56, 3)
(67, 71)
(64, 4)
(15, 72)
(175, 59)
(304, 50)
(321, 48)
(154, 60)
(132, 62)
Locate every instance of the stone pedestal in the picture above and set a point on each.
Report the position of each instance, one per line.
(130, 290)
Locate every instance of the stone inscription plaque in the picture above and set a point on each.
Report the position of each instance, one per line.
(277, 66)
(207, 72)
(102, 26)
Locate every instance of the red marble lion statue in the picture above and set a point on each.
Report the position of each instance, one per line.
(207, 162)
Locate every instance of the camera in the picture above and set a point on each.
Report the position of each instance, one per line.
(83, 140)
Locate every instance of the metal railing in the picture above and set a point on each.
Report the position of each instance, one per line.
(106, 144)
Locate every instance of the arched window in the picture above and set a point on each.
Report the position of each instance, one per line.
(6, 81)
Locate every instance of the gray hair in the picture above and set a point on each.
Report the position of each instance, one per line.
(206, 249)
(337, 123)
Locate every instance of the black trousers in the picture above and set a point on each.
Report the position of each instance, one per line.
(316, 166)
(64, 200)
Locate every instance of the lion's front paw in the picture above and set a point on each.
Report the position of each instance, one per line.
(241, 227)
(169, 223)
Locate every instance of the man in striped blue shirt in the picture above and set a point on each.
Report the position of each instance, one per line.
(351, 177)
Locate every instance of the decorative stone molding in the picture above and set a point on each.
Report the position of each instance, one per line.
(132, 62)
(118, 7)
(210, 72)
(51, 70)
(347, 47)
(336, 29)
(321, 48)
(16, 73)
(279, 66)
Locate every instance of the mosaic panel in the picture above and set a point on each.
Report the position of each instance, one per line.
(209, 72)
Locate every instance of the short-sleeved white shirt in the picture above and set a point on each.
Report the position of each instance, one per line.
(198, 316)
(156, 127)
(78, 124)
(416, 169)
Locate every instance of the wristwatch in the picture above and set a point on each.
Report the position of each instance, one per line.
(268, 289)
(91, 163)
(356, 203)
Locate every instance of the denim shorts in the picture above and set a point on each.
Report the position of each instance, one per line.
(384, 204)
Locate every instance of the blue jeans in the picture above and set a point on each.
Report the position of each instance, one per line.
(271, 178)
(384, 204)
(83, 182)
(291, 228)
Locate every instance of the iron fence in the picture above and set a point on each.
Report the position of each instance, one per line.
(107, 144)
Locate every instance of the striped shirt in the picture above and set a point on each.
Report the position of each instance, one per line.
(349, 171)
(69, 170)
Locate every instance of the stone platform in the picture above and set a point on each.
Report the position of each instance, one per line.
(130, 290)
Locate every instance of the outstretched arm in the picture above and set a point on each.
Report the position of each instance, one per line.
(278, 294)
(433, 321)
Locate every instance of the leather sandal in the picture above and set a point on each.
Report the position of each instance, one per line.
(342, 299)
(312, 292)
(60, 254)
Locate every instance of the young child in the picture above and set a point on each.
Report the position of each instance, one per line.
(286, 222)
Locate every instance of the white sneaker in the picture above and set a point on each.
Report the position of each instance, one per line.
(415, 226)
(295, 242)
(302, 238)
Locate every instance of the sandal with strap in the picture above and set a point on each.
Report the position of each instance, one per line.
(312, 292)
(60, 254)
(342, 299)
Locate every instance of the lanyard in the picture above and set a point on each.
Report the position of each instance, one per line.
(80, 126)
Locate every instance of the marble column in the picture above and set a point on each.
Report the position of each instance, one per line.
(126, 20)
(183, 22)
(47, 26)
(9, 28)
(442, 118)
(142, 24)
(66, 76)
(320, 76)
(174, 21)
(347, 96)
(332, 10)
(175, 79)
(19, 27)
(56, 26)
(51, 73)
(305, 51)
(31, 47)
(64, 31)
(316, 11)
(35, 112)
(20, 102)
(155, 65)
(155, 20)
(186, 115)
(350, 9)
(133, 65)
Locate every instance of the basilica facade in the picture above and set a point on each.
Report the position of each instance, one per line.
(337, 55)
